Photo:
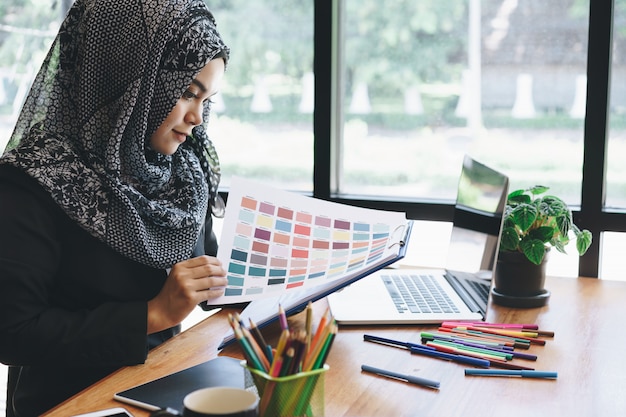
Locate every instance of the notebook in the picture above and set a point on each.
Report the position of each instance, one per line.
(169, 391)
(458, 292)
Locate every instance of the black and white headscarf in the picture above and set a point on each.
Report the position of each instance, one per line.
(114, 72)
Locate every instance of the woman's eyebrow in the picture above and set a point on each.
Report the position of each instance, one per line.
(200, 85)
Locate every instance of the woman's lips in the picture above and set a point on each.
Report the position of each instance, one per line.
(180, 137)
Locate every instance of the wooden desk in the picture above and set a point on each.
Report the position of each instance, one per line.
(587, 316)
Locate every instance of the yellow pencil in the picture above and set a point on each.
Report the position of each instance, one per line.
(282, 343)
(317, 347)
(320, 329)
(309, 324)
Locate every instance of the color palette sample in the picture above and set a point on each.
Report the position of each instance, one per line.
(283, 241)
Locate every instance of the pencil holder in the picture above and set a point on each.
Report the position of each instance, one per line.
(300, 394)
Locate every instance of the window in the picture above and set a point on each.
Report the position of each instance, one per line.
(264, 129)
(25, 38)
(616, 171)
(428, 81)
(612, 265)
(400, 93)
(425, 82)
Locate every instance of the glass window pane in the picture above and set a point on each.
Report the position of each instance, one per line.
(262, 123)
(265, 128)
(27, 29)
(428, 81)
(616, 169)
(612, 261)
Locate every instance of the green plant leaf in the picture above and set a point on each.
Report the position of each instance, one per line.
(518, 197)
(552, 206)
(564, 223)
(563, 239)
(515, 193)
(559, 244)
(534, 250)
(583, 241)
(538, 189)
(524, 216)
(508, 222)
(543, 233)
(509, 239)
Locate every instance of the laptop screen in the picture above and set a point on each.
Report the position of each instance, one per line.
(479, 209)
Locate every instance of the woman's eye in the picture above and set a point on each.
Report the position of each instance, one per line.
(188, 95)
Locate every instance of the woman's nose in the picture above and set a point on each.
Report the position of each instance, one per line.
(194, 115)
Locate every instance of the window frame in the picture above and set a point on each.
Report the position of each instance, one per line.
(591, 214)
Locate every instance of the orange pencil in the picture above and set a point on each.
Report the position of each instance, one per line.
(320, 329)
(316, 347)
(257, 349)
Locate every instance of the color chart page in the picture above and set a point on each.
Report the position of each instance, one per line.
(274, 241)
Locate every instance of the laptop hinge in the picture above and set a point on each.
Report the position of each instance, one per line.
(463, 293)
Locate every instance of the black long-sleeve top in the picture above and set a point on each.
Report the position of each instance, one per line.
(72, 309)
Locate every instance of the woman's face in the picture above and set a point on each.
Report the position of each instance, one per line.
(188, 110)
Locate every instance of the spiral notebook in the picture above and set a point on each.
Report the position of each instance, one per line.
(461, 291)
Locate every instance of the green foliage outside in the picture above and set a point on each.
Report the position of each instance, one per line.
(390, 46)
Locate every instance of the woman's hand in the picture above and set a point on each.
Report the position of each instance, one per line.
(189, 283)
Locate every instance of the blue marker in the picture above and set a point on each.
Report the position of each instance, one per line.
(469, 360)
(408, 378)
(511, 372)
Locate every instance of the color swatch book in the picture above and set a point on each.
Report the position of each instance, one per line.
(274, 242)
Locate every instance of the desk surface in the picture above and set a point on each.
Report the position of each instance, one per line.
(585, 314)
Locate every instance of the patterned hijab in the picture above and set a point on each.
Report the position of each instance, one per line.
(114, 72)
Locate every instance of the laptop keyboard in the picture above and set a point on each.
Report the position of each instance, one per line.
(481, 289)
(418, 294)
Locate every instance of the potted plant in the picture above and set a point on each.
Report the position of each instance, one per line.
(534, 222)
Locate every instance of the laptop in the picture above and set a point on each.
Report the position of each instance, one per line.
(458, 292)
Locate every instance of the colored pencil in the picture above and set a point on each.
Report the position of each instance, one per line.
(309, 324)
(256, 333)
(287, 361)
(258, 350)
(280, 348)
(316, 348)
(282, 317)
(295, 352)
(321, 359)
(300, 347)
(249, 353)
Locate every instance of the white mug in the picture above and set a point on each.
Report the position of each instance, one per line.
(221, 402)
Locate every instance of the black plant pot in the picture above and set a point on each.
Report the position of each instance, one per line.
(519, 282)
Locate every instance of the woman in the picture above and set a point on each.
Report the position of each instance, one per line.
(104, 193)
